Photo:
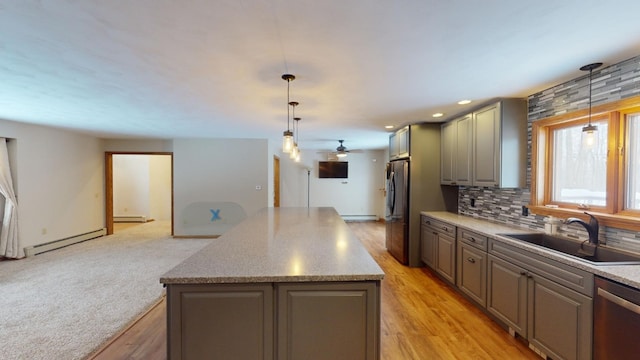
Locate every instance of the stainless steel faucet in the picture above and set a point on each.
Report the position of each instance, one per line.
(592, 227)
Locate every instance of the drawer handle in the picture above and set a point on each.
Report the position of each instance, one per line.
(471, 260)
(523, 273)
(619, 301)
(473, 240)
(445, 228)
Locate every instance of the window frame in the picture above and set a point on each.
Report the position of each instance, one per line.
(613, 213)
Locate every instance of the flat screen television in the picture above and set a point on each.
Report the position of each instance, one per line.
(333, 169)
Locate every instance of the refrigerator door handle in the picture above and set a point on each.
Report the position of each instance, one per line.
(392, 193)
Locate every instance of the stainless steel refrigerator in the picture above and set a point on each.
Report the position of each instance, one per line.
(397, 209)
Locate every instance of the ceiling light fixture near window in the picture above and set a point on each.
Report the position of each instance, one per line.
(437, 115)
(287, 136)
(589, 135)
(464, 102)
(389, 126)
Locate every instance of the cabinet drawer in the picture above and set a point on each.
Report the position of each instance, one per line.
(439, 226)
(472, 238)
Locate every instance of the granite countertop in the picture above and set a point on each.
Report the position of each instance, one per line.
(625, 274)
(281, 245)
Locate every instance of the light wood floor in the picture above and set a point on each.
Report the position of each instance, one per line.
(422, 318)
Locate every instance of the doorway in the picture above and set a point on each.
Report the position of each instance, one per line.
(276, 181)
(145, 194)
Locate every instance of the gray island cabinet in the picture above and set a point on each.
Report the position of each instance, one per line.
(287, 283)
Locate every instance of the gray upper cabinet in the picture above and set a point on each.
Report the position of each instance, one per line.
(455, 151)
(399, 144)
(448, 153)
(487, 147)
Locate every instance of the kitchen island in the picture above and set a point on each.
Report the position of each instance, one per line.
(287, 283)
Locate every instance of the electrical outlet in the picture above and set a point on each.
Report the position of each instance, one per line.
(473, 202)
(44, 231)
(525, 211)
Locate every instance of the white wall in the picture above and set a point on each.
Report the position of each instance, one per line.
(59, 182)
(160, 187)
(142, 186)
(131, 185)
(218, 174)
(358, 195)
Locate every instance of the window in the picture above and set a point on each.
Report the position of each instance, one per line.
(579, 172)
(570, 177)
(632, 163)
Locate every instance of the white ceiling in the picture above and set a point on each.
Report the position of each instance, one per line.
(212, 68)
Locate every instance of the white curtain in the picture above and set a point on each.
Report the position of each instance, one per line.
(9, 244)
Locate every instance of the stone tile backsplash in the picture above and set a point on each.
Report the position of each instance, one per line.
(611, 83)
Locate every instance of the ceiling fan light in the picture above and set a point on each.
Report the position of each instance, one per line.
(341, 154)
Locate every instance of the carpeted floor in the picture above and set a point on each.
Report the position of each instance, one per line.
(65, 303)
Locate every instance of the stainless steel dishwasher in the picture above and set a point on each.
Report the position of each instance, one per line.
(616, 321)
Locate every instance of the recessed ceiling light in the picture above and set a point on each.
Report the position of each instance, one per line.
(389, 126)
(437, 115)
(464, 102)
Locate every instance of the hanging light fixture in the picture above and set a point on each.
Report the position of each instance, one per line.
(297, 132)
(287, 136)
(341, 150)
(294, 146)
(589, 132)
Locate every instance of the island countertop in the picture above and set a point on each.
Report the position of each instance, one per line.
(281, 245)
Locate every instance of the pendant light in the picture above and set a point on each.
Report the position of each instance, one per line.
(287, 136)
(589, 132)
(295, 144)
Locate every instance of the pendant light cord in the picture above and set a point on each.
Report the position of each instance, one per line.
(590, 72)
(288, 83)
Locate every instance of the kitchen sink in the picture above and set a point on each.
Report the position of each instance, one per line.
(602, 256)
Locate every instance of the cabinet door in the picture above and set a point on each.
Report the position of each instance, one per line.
(328, 321)
(486, 146)
(393, 147)
(507, 294)
(220, 321)
(560, 320)
(464, 146)
(447, 153)
(472, 272)
(446, 257)
(403, 140)
(428, 244)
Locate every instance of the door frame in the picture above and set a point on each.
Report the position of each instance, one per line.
(108, 176)
(276, 181)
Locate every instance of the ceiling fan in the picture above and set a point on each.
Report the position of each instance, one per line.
(340, 152)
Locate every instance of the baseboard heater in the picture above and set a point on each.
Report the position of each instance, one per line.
(56, 244)
(132, 218)
(360, 217)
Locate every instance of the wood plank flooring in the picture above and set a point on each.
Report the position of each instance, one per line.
(422, 318)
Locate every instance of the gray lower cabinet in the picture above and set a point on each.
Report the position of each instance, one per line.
(471, 272)
(428, 245)
(507, 294)
(548, 303)
(446, 257)
(438, 241)
(220, 321)
(327, 320)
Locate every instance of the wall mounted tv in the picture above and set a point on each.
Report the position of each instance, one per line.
(333, 169)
